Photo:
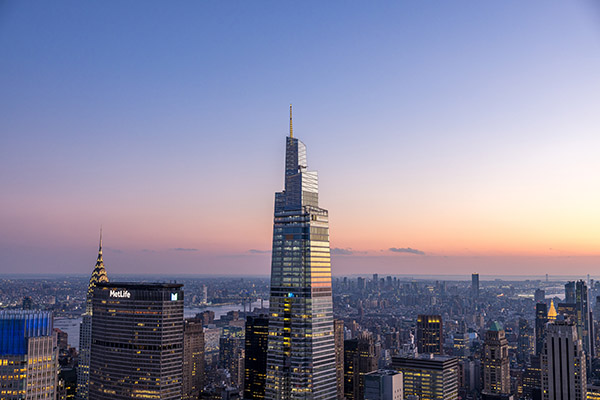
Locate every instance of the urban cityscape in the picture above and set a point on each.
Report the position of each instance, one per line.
(393, 309)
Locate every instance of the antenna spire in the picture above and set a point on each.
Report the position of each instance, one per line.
(291, 127)
(100, 246)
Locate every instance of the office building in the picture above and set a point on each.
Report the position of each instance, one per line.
(361, 356)
(532, 379)
(428, 376)
(255, 364)
(383, 385)
(541, 318)
(430, 335)
(85, 329)
(525, 341)
(496, 372)
(338, 332)
(193, 359)
(539, 296)
(301, 353)
(137, 341)
(563, 363)
(475, 286)
(231, 358)
(28, 355)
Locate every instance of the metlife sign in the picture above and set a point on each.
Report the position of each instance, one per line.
(121, 294)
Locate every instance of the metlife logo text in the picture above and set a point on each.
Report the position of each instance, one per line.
(120, 293)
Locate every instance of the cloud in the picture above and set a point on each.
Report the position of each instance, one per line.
(183, 249)
(341, 252)
(255, 251)
(407, 250)
(148, 251)
(110, 249)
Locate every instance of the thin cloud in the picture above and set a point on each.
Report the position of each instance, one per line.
(407, 250)
(183, 249)
(255, 251)
(339, 251)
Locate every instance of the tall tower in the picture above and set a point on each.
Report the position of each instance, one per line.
(541, 318)
(255, 365)
(475, 286)
(85, 330)
(430, 334)
(563, 363)
(301, 350)
(496, 373)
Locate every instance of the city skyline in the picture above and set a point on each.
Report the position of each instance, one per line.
(445, 143)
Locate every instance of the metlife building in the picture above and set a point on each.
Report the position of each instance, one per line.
(137, 340)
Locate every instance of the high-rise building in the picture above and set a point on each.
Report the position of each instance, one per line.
(430, 334)
(231, 358)
(383, 385)
(532, 379)
(137, 341)
(539, 296)
(563, 363)
(541, 318)
(338, 332)
(255, 364)
(428, 376)
(525, 341)
(85, 329)
(193, 359)
(475, 286)
(28, 355)
(570, 292)
(360, 357)
(301, 354)
(496, 372)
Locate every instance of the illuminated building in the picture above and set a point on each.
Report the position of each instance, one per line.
(301, 350)
(552, 312)
(28, 355)
(563, 363)
(383, 385)
(496, 372)
(193, 358)
(532, 379)
(137, 341)
(360, 357)
(255, 364)
(428, 376)
(430, 334)
(85, 330)
(338, 328)
(525, 341)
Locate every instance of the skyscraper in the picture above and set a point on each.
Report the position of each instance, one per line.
(137, 341)
(383, 385)
(430, 336)
(541, 318)
(255, 365)
(338, 326)
(496, 373)
(563, 363)
(475, 286)
(301, 353)
(85, 330)
(28, 355)
(193, 358)
(360, 357)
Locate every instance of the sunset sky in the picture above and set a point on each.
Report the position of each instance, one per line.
(450, 137)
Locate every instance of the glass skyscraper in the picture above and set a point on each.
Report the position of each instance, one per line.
(301, 348)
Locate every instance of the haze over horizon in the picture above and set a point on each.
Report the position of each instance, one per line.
(449, 138)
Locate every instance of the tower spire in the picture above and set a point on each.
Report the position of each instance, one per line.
(291, 127)
(100, 245)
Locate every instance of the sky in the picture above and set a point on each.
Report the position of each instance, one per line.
(450, 137)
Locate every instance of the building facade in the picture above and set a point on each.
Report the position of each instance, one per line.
(255, 364)
(193, 359)
(496, 369)
(563, 363)
(428, 376)
(28, 355)
(301, 350)
(475, 286)
(383, 385)
(541, 319)
(137, 341)
(430, 334)
(338, 328)
(360, 357)
(85, 330)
